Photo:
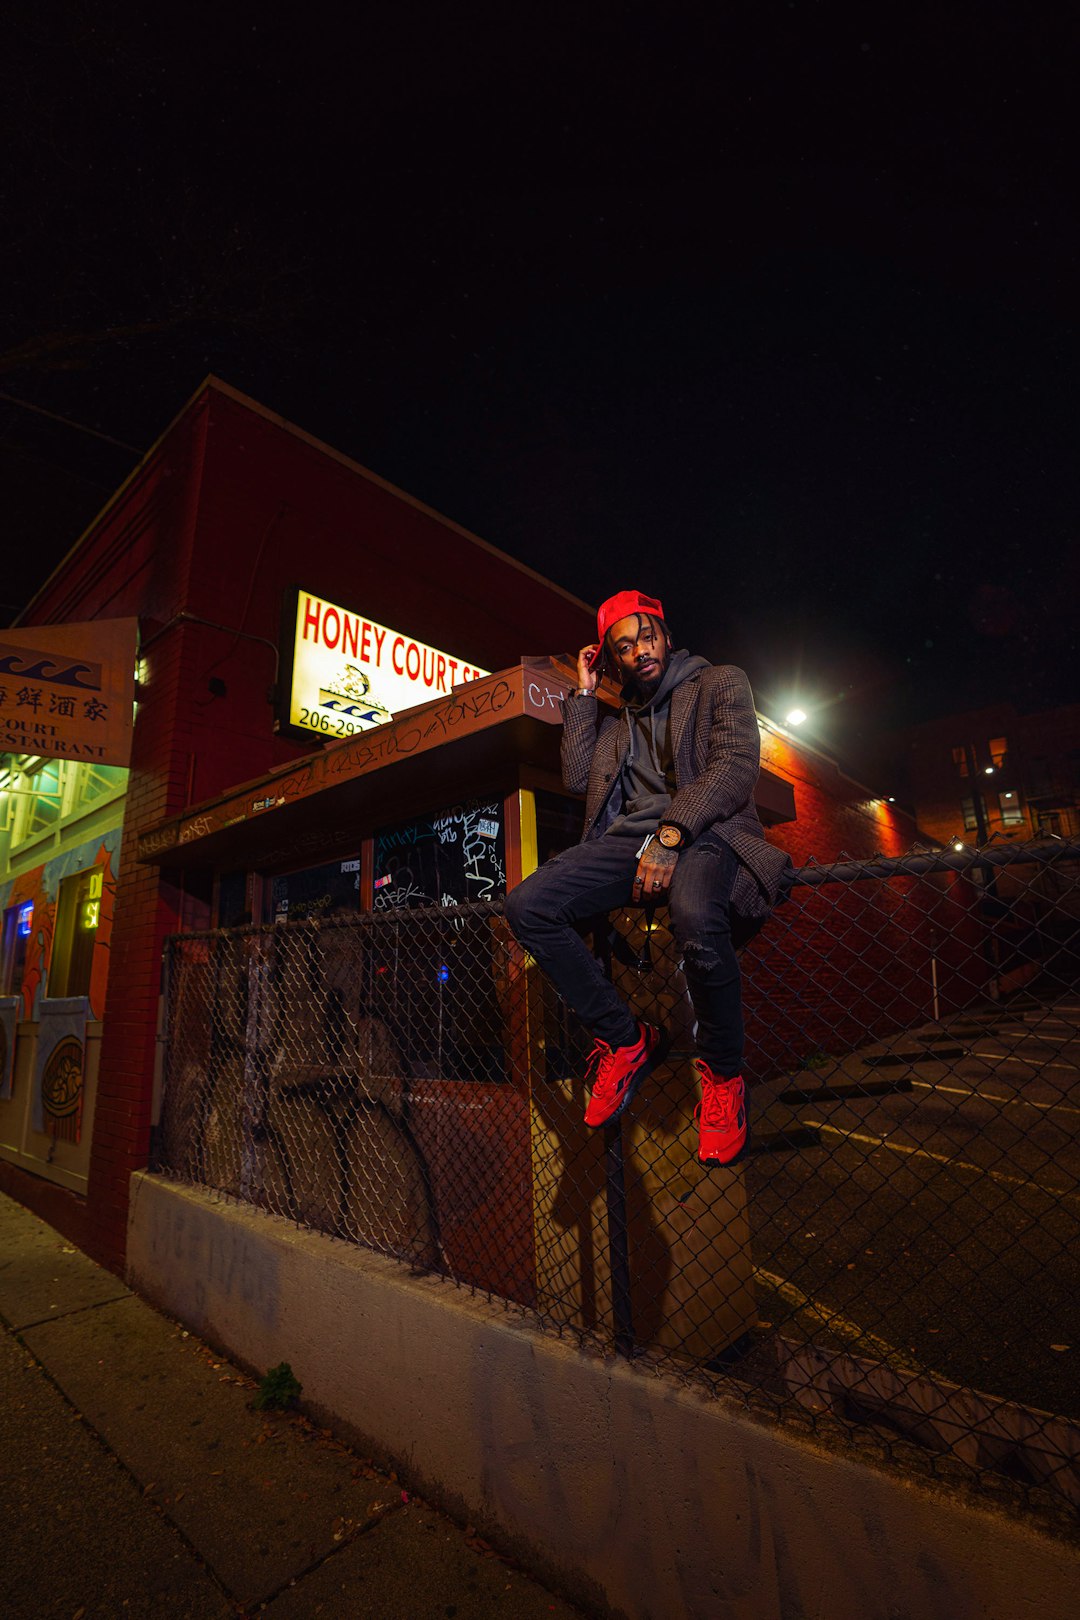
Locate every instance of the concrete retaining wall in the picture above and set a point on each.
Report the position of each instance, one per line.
(620, 1488)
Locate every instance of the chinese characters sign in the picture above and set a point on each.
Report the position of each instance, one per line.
(68, 690)
(350, 674)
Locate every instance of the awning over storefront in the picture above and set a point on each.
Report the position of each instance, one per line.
(325, 802)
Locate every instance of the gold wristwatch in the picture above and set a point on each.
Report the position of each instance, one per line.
(671, 837)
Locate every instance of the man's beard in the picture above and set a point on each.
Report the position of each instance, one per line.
(646, 687)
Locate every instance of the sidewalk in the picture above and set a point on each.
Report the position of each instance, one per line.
(135, 1479)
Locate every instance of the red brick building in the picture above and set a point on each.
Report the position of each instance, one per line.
(994, 771)
(231, 508)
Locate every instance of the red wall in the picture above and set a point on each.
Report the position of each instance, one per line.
(134, 561)
(229, 510)
(845, 963)
(278, 510)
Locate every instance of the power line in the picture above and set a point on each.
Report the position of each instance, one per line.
(80, 427)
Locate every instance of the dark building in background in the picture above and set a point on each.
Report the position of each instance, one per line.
(994, 771)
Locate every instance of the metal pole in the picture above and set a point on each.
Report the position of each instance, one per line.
(976, 795)
(618, 1240)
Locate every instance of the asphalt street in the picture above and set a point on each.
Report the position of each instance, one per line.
(942, 1218)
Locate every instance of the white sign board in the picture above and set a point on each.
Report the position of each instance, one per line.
(68, 690)
(349, 673)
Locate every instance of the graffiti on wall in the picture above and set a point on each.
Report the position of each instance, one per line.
(447, 859)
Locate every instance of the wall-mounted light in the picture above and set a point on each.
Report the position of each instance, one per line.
(795, 717)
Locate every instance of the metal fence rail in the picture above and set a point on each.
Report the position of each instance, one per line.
(898, 1260)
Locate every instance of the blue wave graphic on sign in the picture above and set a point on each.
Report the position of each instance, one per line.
(35, 666)
(356, 711)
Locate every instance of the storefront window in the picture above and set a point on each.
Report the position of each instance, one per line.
(434, 983)
(78, 915)
(318, 891)
(51, 794)
(447, 859)
(232, 901)
(88, 785)
(37, 804)
(1012, 814)
(18, 923)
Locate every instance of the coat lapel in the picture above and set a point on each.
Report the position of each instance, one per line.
(683, 703)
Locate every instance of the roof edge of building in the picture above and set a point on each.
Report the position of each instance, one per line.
(117, 496)
(257, 408)
(213, 384)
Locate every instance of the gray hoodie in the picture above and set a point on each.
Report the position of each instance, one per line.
(647, 778)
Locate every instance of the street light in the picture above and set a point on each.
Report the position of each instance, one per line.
(795, 717)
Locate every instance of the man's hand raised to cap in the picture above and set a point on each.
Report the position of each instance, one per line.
(586, 674)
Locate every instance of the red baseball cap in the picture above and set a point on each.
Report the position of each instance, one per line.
(621, 606)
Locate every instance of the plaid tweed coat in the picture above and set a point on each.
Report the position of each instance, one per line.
(716, 747)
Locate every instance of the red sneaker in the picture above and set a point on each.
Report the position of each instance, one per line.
(619, 1072)
(721, 1117)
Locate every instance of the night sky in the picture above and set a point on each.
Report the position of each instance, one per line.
(773, 315)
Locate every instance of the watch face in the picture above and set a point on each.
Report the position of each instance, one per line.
(670, 837)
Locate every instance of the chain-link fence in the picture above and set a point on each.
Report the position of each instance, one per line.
(899, 1257)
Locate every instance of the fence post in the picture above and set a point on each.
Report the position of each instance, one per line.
(618, 1239)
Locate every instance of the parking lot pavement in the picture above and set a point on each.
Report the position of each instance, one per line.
(942, 1218)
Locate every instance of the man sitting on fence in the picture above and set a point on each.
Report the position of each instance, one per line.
(669, 817)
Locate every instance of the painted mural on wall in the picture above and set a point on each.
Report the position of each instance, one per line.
(40, 885)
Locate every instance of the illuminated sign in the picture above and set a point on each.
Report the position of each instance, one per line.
(25, 917)
(349, 674)
(68, 690)
(90, 905)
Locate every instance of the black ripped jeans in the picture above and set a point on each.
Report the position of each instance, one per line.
(598, 877)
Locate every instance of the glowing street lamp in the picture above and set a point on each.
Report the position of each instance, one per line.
(795, 717)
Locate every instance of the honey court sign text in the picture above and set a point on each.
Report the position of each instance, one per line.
(349, 673)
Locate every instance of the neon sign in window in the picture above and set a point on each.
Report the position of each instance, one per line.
(25, 919)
